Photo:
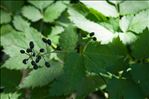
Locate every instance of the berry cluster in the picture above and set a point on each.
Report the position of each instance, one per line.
(92, 35)
(35, 57)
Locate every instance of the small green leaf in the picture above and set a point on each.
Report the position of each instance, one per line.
(40, 4)
(5, 17)
(20, 24)
(31, 13)
(54, 11)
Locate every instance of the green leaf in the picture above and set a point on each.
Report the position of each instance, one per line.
(6, 29)
(100, 58)
(42, 76)
(40, 4)
(9, 79)
(101, 33)
(69, 38)
(140, 48)
(123, 89)
(140, 22)
(102, 7)
(31, 13)
(14, 95)
(140, 75)
(127, 8)
(54, 11)
(74, 78)
(5, 17)
(20, 24)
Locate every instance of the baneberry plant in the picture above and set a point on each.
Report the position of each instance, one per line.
(74, 49)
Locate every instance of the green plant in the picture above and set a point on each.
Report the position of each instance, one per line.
(87, 46)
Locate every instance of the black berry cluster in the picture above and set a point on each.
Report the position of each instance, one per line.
(92, 35)
(34, 56)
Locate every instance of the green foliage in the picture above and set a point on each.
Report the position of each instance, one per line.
(116, 64)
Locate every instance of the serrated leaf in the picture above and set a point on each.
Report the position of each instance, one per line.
(102, 7)
(14, 95)
(40, 4)
(140, 22)
(127, 8)
(5, 17)
(9, 79)
(54, 11)
(140, 75)
(42, 76)
(96, 56)
(140, 48)
(69, 38)
(20, 23)
(74, 78)
(101, 33)
(31, 13)
(123, 89)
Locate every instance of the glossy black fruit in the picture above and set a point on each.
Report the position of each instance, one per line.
(33, 63)
(28, 50)
(31, 44)
(92, 34)
(47, 64)
(94, 38)
(22, 51)
(25, 61)
(44, 40)
(41, 50)
(49, 42)
(38, 58)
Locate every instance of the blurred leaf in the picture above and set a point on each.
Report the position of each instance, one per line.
(54, 11)
(140, 75)
(40, 4)
(127, 8)
(140, 48)
(4, 29)
(102, 7)
(5, 17)
(123, 89)
(31, 13)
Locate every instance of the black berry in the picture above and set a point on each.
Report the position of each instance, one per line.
(42, 50)
(28, 50)
(47, 64)
(22, 51)
(25, 61)
(33, 54)
(31, 44)
(94, 38)
(38, 58)
(44, 40)
(33, 63)
(49, 42)
(35, 67)
(92, 34)
(58, 48)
